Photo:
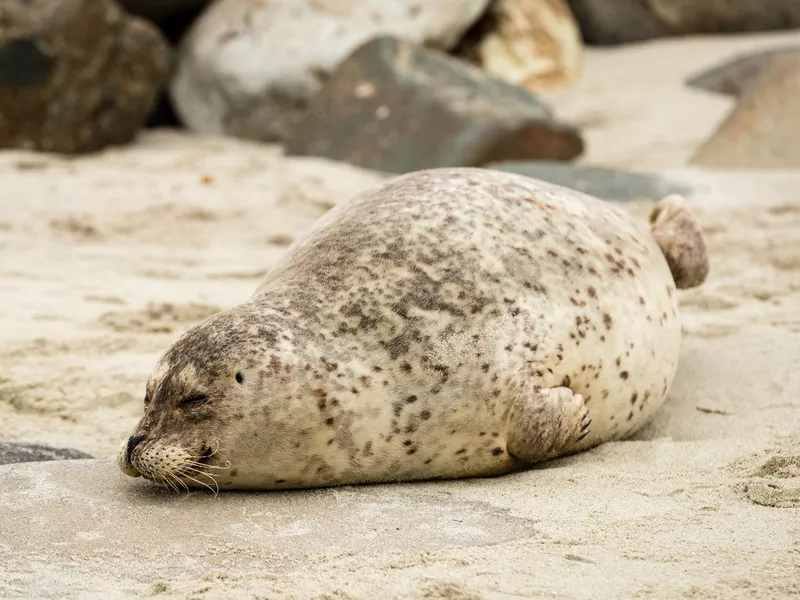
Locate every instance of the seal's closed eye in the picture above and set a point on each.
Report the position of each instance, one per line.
(194, 400)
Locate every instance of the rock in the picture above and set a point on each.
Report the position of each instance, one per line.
(734, 76)
(616, 21)
(159, 10)
(763, 131)
(626, 21)
(76, 75)
(16, 452)
(395, 107)
(607, 184)
(249, 69)
(532, 43)
(119, 528)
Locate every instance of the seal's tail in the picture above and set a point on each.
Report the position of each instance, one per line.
(681, 240)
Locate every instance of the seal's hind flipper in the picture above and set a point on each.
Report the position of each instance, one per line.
(681, 240)
(545, 423)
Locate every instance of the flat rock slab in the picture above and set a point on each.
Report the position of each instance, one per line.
(87, 515)
(395, 107)
(734, 76)
(14, 452)
(763, 131)
(607, 184)
(80, 529)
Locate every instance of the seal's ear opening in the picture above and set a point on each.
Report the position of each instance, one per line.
(239, 378)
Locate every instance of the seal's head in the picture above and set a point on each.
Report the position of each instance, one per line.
(206, 395)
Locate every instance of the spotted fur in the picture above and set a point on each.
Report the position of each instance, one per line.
(415, 332)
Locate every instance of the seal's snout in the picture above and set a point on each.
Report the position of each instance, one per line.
(133, 441)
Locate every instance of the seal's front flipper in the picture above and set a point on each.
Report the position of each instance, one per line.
(680, 238)
(545, 423)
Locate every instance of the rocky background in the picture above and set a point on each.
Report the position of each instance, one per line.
(392, 86)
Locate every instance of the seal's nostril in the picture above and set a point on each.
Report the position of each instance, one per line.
(132, 443)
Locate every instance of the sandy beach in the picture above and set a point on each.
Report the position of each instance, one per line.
(106, 259)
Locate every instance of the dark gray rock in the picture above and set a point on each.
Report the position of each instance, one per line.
(606, 22)
(734, 76)
(396, 107)
(626, 21)
(76, 75)
(17, 452)
(606, 184)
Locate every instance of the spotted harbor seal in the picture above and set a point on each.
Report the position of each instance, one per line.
(446, 323)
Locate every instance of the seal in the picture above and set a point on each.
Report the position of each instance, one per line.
(447, 323)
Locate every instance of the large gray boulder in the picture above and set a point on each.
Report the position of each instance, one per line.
(248, 68)
(395, 107)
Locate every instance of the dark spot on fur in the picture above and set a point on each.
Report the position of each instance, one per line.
(497, 451)
(411, 399)
(443, 371)
(608, 321)
(624, 375)
(239, 378)
(329, 421)
(405, 367)
(566, 381)
(634, 397)
(425, 415)
(461, 451)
